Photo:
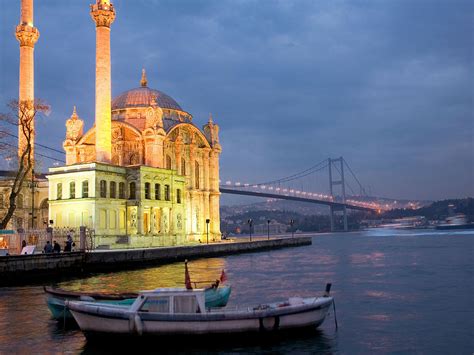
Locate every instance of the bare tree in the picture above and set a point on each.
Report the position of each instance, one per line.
(23, 116)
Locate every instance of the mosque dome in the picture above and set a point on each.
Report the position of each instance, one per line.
(144, 96)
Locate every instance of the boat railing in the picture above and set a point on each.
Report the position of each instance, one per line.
(236, 308)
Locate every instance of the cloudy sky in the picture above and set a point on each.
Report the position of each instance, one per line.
(386, 84)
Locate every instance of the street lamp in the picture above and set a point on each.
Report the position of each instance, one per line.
(292, 221)
(207, 230)
(250, 222)
(268, 229)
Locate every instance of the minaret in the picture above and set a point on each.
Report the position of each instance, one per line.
(103, 14)
(27, 35)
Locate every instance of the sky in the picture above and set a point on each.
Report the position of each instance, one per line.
(388, 85)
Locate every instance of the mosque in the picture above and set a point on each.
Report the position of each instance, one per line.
(144, 171)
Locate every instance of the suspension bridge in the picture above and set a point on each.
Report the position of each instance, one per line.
(301, 187)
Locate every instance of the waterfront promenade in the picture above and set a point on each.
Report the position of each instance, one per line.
(22, 269)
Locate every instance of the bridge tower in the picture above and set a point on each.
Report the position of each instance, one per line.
(333, 163)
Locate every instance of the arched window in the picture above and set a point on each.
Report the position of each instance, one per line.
(113, 189)
(167, 193)
(196, 175)
(168, 162)
(72, 189)
(121, 190)
(85, 189)
(59, 191)
(103, 188)
(133, 191)
(147, 190)
(183, 166)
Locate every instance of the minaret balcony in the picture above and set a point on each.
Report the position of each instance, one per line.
(27, 35)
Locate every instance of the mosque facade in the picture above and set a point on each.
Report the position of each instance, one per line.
(144, 169)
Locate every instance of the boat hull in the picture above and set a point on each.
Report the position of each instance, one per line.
(94, 321)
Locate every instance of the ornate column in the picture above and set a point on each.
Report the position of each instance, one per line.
(192, 164)
(103, 14)
(205, 168)
(74, 130)
(214, 193)
(27, 35)
(178, 145)
(154, 132)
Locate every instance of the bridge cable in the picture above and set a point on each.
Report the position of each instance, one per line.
(355, 177)
(301, 174)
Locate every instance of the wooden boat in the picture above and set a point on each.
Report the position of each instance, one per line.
(56, 299)
(215, 296)
(182, 311)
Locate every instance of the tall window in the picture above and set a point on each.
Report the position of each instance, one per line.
(157, 192)
(121, 190)
(59, 191)
(196, 175)
(178, 195)
(147, 190)
(183, 166)
(133, 191)
(113, 189)
(168, 162)
(103, 188)
(167, 193)
(85, 189)
(72, 189)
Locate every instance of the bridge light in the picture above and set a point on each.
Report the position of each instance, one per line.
(255, 186)
(237, 184)
(228, 183)
(277, 189)
(263, 187)
(285, 190)
(246, 185)
(291, 191)
(270, 187)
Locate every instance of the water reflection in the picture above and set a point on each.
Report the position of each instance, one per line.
(375, 258)
(285, 343)
(171, 275)
(390, 293)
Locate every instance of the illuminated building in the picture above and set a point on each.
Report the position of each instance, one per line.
(144, 172)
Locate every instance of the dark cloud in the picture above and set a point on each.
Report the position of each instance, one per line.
(388, 85)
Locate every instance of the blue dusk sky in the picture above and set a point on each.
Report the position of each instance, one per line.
(386, 84)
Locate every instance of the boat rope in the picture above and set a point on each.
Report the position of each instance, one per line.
(334, 307)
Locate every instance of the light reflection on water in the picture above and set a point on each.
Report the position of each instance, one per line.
(394, 293)
(171, 275)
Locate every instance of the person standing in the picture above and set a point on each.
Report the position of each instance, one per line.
(68, 246)
(48, 248)
(56, 247)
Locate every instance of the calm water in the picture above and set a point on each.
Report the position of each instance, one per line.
(395, 292)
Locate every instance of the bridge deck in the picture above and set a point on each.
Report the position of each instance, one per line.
(338, 205)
